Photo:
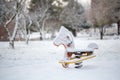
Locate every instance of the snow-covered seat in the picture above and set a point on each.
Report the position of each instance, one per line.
(79, 50)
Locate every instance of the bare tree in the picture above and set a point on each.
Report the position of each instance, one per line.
(104, 12)
(39, 12)
(73, 14)
(24, 28)
(12, 10)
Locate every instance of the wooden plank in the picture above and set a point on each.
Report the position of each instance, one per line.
(78, 60)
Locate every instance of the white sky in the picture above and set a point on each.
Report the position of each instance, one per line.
(85, 3)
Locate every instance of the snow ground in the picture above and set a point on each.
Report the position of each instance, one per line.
(39, 61)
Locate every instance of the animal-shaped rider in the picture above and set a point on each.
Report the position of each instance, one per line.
(65, 38)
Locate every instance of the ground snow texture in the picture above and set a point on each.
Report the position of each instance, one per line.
(39, 61)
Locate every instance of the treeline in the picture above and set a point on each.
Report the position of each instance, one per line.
(46, 16)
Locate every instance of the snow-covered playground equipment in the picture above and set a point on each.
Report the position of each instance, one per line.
(65, 38)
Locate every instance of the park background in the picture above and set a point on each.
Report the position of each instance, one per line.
(28, 28)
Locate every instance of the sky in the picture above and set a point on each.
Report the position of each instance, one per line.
(85, 3)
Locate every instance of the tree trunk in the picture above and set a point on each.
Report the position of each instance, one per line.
(118, 23)
(74, 32)
(41, 38)
(101, 33)
(28, 30)
(6, 26)
(11, 43)
(38, 24)
(25, 30)
(43, 28)
(28, 35)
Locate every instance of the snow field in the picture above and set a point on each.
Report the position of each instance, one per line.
(39, 61)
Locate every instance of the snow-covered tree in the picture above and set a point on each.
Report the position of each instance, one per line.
(104, 12)
(12, 12)
(73, 14)
(39, 11)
